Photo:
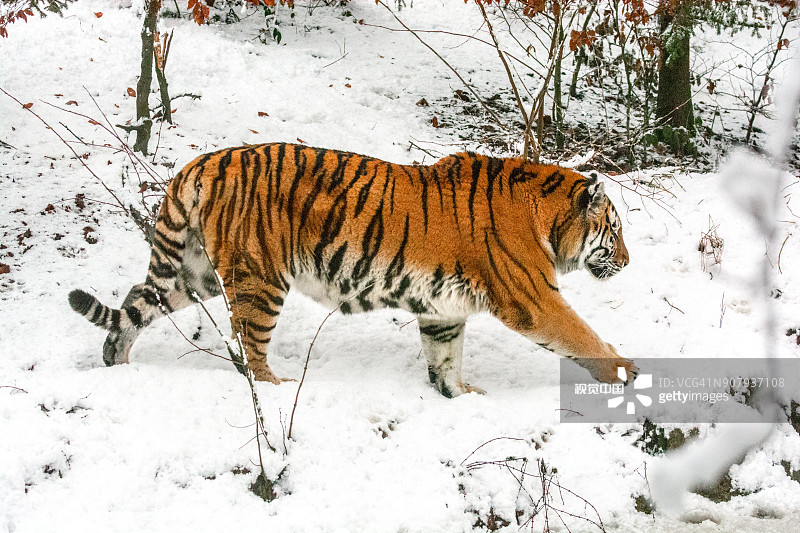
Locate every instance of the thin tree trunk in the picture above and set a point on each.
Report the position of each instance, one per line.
(163, 86)
(144, 123)
(674, 99)
(558, 108)
(580, 54)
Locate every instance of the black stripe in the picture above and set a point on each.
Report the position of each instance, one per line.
(165, 218)
(492, 172)
(398, 261)
(159, 246)
(416, 306)
(405, 283)
(337, 177)
(574, 188)
(335, 262)
(161, 269)
(373, 236)
(258, 303)
(224, 162)
(442, 332)
(115, 316)
(516, 176)
(279, 169)
(438, 281)
(259, 328)
(332, 226)
(435, 178)
(175, 244)
(363, 193)
(476, 169)
(550, 285)
(96, 315)
(135, 316)
(311, 198)
(552, 183)
(277, 300)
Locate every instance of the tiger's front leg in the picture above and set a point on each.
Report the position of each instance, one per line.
(443, 346)
(555, 326)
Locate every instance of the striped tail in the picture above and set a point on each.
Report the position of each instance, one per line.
(102, 315)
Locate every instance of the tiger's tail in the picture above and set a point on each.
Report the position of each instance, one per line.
(102, 315)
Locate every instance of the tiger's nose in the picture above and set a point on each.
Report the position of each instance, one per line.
(625, 260)
(622, 254)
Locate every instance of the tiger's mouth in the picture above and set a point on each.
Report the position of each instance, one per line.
(603, 270)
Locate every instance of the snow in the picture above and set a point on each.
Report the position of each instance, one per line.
(166, 442)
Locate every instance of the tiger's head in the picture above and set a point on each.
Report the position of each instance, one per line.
(591, 237)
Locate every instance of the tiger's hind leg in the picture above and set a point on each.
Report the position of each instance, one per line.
(144, 303)
(443, 345)
(179, 275)
(255, 307)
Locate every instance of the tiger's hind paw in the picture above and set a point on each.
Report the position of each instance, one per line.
(116, 348)
(265, 374)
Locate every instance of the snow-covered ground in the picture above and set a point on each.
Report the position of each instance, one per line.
(166, 442)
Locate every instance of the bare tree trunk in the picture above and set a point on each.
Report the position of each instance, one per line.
(580, 54)
(144, 123)
(558, 108)
(674, 99)
(163, 86)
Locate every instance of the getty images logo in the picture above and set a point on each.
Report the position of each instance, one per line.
(642, 381)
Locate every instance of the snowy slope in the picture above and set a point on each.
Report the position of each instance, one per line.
(166, 443)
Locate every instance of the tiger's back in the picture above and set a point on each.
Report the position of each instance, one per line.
(467, 234)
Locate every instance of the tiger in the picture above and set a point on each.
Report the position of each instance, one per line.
(467, 234)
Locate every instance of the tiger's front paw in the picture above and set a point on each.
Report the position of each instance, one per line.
(616, 370)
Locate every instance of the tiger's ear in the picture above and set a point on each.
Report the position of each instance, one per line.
(596, 194)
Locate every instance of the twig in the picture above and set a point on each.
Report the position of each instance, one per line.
(412, 144)
(672, 306)
(13, 388)
(173, 98)
(781, 251)
(336, 61)
(488, 442)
